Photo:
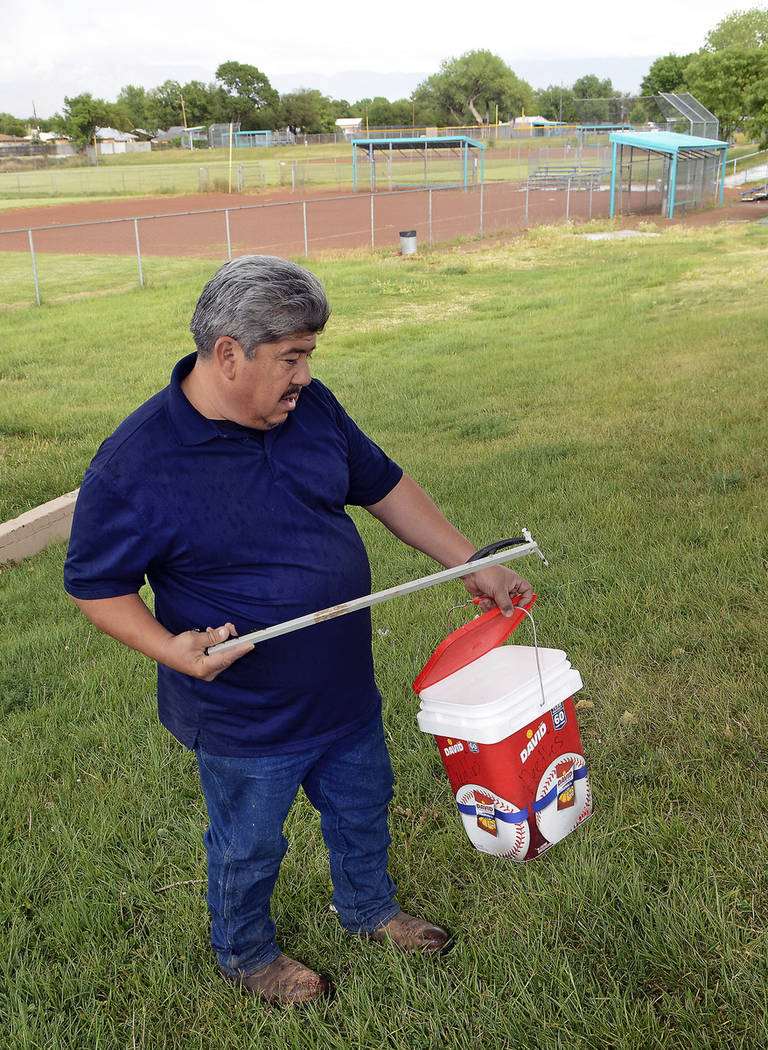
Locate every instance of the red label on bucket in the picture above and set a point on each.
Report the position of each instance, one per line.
(521, 795)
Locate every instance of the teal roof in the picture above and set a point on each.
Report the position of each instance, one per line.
(665, 141)
(428, 141)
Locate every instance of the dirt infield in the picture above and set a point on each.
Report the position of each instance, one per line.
(279, 222)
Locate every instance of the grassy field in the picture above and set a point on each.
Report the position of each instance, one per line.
(611, 397)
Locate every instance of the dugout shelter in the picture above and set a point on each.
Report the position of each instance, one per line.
(664, 171)
(423, 160)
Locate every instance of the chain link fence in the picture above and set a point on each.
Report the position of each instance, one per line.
(102, 180)
(293, 228)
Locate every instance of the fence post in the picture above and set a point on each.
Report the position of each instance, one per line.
(430, 214)
(306, 241)
(527, 187)
(138, 251)
(372, 226)
(229, 242)
(34, 266)
(481, 209)
(568, 200)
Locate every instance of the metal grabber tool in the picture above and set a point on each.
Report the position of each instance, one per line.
(493, 554)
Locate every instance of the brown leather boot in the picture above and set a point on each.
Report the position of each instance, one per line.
(410, 934)
(283, 981)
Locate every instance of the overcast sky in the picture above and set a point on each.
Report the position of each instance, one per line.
(53, 48)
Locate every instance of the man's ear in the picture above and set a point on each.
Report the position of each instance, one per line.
(225, 354)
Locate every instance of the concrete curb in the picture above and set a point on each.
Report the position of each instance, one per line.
(31, 532)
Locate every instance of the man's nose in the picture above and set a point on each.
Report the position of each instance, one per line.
(302, 376)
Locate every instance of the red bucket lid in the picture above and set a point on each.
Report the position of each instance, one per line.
(467, 644)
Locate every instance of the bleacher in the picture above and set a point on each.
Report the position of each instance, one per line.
(756, 193)
(561, 176)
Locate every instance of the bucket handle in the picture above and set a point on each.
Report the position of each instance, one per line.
(484, 552)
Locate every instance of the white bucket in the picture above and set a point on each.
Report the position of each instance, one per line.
(514, 759)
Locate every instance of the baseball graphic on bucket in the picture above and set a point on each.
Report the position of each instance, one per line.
(566, 796)
(483, 814)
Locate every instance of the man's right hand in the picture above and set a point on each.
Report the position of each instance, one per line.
(128, 619)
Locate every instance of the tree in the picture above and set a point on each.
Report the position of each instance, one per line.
(164, 105)
(248, 90)
(10, 125)
(204, 103)
(339, 108)
(556, 103)
(743, 29)
(133, 101)
(756, 124)
(308, 112)
(728, 82)
(84, 113)
(666, 74)
(594, 100)
(471, 87)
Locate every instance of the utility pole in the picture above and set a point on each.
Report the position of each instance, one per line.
(184, 116)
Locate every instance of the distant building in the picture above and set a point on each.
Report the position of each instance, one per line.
(349, 125)
(110, 141)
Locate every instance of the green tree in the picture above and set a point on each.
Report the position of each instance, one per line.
(204, 103)
(556, 103)
(404, 113)
(339, 108)
(666, 74)
(756, 124)
(84, 113)
(728, 83)
(133, 101)
(308, 112)
(469, 88)
(164, 105)
(743, 29)
(248, 91)
(595, 100)
(10, 125)
(381, 113)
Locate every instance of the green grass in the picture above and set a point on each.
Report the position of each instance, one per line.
(63, 278)
(611, 397)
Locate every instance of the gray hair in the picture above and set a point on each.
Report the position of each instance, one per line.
(258, 299)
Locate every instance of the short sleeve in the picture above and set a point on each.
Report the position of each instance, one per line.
(372, 474)
(109, 548)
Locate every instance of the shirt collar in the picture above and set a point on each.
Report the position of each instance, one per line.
(191, 426)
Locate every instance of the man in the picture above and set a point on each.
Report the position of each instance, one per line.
(227, 491)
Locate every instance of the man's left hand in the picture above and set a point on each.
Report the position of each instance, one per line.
(499, 586)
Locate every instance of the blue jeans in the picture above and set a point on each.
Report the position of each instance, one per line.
(350, 783)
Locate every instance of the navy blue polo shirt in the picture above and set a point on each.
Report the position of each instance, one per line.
(248, 526)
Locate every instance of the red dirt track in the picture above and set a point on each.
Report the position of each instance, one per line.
(274, 222)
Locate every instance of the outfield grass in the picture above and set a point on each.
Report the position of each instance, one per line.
(611, 397)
